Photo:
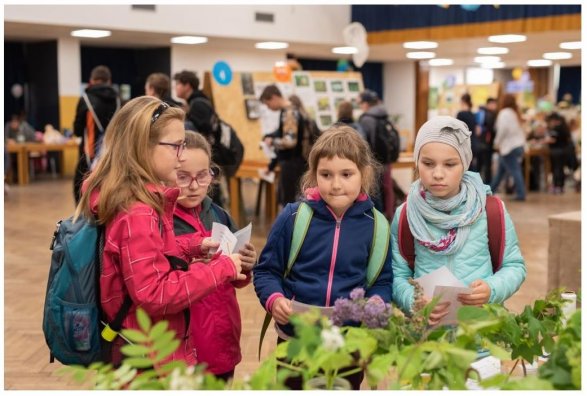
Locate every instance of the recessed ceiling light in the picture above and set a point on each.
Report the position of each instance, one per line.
(189, 40)
(539, 63)
(271, 45)
(557, 55)
(420, 44)
(90, 33)
(486, 59)
(345, 50)
(507, 38)
(571, 45)
(492, 65)
(492, 50)
(420, 55)
(440, 62)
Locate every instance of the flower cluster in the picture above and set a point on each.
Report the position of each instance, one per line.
(373, 312)
(332, 339)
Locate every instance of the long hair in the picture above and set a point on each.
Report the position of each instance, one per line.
(508, 101)
(126, 166)
(343, 141)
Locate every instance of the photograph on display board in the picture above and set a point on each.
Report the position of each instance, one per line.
(355, 103)
(247, 83)
(302, 80)
(323, 103)
(353, 86)
(336, 86)
(253, 107)
(320, 86)
(325, 120)
(338, 100)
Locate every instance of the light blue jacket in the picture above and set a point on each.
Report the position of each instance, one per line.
(472, 262)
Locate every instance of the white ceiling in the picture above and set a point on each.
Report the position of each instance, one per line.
(461, 50)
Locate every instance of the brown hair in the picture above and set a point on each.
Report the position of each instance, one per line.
(126, 164)
(508, 101)
(269, 92)
(100, 73)
(344, 142)
(345, 110)
(187, 77)
(160, 84)
(197, 141)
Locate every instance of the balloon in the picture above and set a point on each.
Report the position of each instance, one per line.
(342, 65)
(361, 56)
(222, 73)
(470, 7)
(354, 35)
(517, 73)
(282, 72)
(16, 90)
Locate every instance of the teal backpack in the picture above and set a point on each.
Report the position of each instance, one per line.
(377, 255)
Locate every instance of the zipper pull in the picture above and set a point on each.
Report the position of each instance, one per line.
(338, 223)
(52, 245)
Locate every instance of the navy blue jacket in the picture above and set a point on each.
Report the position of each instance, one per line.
(315, 277)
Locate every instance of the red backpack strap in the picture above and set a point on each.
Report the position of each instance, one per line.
(406, 239)
(495, 231)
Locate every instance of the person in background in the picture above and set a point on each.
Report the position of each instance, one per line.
(18, 130)
(510, 140)
(447, 217)
(537, 138)
(187, 87)
(562, 150)
(215, 321)
(345, 116)
(485, 134)
(159, 85)
(466, 115)
(105, 102)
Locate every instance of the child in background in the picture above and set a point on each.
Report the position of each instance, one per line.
(130, 193)
(333, 259)
(446, 215)
(215, 320)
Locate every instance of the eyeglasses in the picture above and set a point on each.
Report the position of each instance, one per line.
(202, 179)
(158, 111)
(179, 147)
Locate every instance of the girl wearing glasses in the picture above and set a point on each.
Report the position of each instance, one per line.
(132, 193)
(215, 320)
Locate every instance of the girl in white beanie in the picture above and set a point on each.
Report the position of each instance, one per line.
(444, 223)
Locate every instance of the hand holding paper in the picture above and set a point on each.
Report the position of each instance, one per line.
(229, 242)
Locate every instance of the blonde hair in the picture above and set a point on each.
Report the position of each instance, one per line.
(126, 165)
(344, 142)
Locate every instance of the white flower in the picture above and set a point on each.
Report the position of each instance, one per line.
(332, 339)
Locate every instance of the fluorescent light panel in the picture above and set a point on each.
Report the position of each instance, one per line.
(492, 50)
(420, 44)
(539, 62)
(345, 50)
(507, 38)
(486, 59)
(91, 33)
(189, 40)
(271, 45)
(420, 55)
(440, 62)
(557, 55)
(571, 45)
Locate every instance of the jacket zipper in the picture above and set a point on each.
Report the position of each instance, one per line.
(333, 259)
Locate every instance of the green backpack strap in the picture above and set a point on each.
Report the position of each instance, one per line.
(301, 225)
(379, 247)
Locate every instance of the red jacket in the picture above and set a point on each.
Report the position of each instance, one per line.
(215, 320)
(134, 264)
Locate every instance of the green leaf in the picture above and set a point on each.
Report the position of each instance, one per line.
(433, 360)
(469, 313)
(144, 320)
(164, 339)
(135, 336)
(158, 330)
(138, 362)
(134, 350)
(170, 366)
(167, 350)
(378, 368)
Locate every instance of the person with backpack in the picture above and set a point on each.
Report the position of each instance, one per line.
(447, 213)
(132, 193)
(215, 320)
(384, 141)
(331, 241)
(485, 132)
(288, 141)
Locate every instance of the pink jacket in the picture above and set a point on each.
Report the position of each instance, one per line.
(215, 320)
(134, 263)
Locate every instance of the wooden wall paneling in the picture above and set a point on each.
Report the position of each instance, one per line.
(422, 88)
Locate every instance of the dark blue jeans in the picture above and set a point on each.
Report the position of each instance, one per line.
(510, 164)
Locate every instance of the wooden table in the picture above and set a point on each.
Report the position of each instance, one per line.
(534, 151)
(68, 153)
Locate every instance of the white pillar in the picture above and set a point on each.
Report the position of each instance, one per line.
(69, 79)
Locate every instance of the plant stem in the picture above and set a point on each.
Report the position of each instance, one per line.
(351, 372)
(289, 366)
(513, 368)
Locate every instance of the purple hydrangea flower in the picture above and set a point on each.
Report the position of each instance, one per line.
(357, 294)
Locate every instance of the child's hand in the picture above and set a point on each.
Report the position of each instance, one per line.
(439, 312)
(281, 310)
(236, 260)
(209, 246)
(248, 257)
(480, 295)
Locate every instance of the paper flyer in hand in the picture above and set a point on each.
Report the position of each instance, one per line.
(298, 307)
(229, 242)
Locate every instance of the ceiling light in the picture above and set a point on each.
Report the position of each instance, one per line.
(189, 40)
(486, 59)
(345, 50)
(271, 45)
(492, 50)
(492, 65)
(539, 63)
(420, 55)
(507, 38)
(90, 33)
(420, 44)
(571, 45)
(440, 62)
(557, 55)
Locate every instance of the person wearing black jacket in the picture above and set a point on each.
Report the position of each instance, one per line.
(105, 102)
(158, 85)
(187, 88)
(484, 136)
(560, 147)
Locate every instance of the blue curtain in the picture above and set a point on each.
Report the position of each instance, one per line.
(570, 82)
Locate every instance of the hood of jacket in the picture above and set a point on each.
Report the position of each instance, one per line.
(378, 111)
(103, 91)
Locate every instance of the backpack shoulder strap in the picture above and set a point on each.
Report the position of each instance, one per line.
(379, 247)
(405, 238)
(495, 231)
(301, 225)
(91, 109)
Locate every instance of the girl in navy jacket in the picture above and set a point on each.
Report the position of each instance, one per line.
(333, 257)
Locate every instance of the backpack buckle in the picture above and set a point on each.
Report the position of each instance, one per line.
(108, 334)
